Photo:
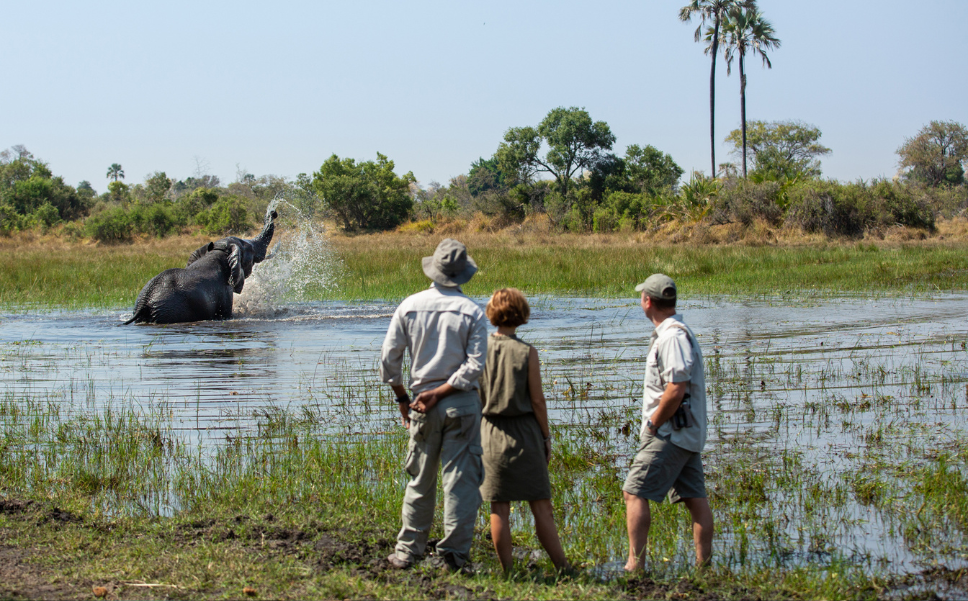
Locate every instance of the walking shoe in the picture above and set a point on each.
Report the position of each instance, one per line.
(396, 562)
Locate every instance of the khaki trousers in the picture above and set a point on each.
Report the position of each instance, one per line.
(448, 435)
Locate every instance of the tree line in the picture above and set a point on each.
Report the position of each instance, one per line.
(563, 167)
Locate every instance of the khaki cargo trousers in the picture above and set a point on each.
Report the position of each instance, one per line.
(449, 435)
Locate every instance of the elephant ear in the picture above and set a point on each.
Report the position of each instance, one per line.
(236, 273)
(200, 252)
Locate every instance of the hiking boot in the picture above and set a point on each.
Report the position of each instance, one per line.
(400, 564)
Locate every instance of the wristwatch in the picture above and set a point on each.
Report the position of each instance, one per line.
(403, 399)
(652, 427)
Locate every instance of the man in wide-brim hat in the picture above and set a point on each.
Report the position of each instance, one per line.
(446, 335)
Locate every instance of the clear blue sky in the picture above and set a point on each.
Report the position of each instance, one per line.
(275, 88)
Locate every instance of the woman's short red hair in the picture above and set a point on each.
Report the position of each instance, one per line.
(508, 308)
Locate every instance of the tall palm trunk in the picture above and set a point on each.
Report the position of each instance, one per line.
(742, 103)
(712, 98)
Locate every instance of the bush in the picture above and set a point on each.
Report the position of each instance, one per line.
(157, 219)
(829, 207)
(621, 211)
(110, 225)
(10, 219)
(46, 216)
(225, 217)
(744, 201)
(898, 205)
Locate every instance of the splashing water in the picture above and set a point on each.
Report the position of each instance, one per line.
(300, 264)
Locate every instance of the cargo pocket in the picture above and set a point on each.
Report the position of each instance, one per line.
(413, 460)
(418, 426)
(476, 452)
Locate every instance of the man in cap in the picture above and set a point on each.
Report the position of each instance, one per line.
(446, 335)
(673, 427)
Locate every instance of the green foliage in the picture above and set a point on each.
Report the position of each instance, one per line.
(119, 192)
(650, 170)
(111, 225)
(937, 155)
(227, 216)
(744, 201)
(485, 175)
(622, 211)
(366, 195)
(192, 204)
(115, 172)
(156, 189)
(781, 149)
(156, 219)
(27, 184)
(850, 209)
(574, 143)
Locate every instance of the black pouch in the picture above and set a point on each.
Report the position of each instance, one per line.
(683, 417)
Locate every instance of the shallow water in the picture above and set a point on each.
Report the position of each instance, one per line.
(822, 382)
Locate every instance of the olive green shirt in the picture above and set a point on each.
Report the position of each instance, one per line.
(504, 383)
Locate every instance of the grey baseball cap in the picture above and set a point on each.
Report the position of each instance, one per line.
(450, 264)
(658, 285)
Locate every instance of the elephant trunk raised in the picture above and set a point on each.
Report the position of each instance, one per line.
(203, 289)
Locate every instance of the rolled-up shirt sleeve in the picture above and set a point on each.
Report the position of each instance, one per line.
(391, 356)
(466, 376)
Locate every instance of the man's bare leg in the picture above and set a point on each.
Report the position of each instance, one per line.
(702, 529)
(638, 519)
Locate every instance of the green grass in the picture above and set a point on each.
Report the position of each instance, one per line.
(79, 276)
(613, 271)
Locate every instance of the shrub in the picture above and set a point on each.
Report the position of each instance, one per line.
(745, 201)
(829, 207)
(898, 205)
(225, 217)
(157, 219)
(46, 216)
(621, 211)
(110, 225)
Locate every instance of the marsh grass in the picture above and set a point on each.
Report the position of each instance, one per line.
(831, 472)
(58, 273)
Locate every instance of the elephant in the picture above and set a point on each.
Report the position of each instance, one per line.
(203, 289)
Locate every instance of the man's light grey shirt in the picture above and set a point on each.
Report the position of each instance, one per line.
(446, 335)
(675, 357)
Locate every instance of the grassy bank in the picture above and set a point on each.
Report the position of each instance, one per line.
(304, 502)
(755, 262)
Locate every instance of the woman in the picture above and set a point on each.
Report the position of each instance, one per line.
(514, 430)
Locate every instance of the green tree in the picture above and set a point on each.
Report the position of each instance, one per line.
(157, 188)
(651, 170)
(115, 172)
(781, 149)
(745, 30)
(574, 143)
(937, 154)
(715, 11)
(365, 195)
(485, 174)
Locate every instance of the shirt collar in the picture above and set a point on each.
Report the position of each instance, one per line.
(667, 323)
(446, 289)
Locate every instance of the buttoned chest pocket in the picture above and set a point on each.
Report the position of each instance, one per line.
(653, 379)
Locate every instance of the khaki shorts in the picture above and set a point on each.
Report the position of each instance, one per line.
(662, 468)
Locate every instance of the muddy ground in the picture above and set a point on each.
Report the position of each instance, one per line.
(50, 553)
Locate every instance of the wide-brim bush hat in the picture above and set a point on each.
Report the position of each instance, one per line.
(658, 285)
(450, 264)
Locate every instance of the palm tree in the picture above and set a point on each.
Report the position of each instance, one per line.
(715, 11)
(745, 30)
(115, 171)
